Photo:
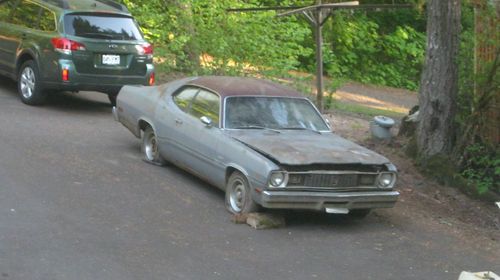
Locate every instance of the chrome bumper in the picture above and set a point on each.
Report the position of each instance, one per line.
(322, 201)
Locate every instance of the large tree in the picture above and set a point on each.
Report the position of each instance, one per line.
(439, 84)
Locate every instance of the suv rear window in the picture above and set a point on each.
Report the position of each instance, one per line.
(102, 27)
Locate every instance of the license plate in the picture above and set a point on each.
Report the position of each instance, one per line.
(110, 59)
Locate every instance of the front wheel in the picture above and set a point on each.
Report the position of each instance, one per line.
(150, 147)
(238, 195)
(28, 84)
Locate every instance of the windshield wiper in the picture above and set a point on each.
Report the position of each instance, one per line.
(301, 128)
(256, 127)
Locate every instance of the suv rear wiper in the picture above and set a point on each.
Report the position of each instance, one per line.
(256, 127)
(301, 128)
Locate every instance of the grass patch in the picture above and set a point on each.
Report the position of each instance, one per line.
(364, 110)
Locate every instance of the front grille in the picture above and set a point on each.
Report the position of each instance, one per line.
(331, 180)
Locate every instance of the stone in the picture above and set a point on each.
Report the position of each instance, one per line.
(265, 220)
(239, 218)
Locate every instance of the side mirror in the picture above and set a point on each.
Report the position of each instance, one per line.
(206, 121)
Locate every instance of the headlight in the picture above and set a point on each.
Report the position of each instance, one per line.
(277, 179)
(386, 180)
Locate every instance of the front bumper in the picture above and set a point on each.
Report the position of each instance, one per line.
(327, 200)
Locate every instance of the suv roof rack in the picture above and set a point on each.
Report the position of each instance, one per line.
(65, 4)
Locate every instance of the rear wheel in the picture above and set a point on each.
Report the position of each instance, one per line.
(28, 84)
(150, 147)
(238, 195)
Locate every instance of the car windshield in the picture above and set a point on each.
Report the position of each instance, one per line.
(278, 113)
(102, 27)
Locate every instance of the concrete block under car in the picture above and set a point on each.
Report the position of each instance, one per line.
(260, 220)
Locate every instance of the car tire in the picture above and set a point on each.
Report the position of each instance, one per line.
(29, 85)
(150, 147)
(359, 213)
(238, 195)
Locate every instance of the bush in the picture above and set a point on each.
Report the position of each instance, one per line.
(482, 168)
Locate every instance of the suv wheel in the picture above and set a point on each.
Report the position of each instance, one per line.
(28, 84)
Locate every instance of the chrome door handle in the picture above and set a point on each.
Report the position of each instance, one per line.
(178, 121)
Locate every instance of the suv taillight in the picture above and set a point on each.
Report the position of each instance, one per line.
(66, 45)
(145, 49)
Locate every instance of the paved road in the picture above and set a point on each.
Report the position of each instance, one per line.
(77, 202)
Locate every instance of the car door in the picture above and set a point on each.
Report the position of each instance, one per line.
(195, 142)
(28, 26)
(170, 115)
(11, 26)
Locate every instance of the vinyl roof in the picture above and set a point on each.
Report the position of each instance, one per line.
(240, 86)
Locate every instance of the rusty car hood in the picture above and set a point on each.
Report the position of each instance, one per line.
(306, 147)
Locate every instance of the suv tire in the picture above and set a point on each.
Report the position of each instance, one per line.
(28, 85)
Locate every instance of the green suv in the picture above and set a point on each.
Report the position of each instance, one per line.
(71, 45)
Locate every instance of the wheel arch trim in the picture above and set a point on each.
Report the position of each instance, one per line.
(141, 123)
(20, 60)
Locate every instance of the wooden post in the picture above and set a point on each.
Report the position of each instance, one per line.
(319, 57)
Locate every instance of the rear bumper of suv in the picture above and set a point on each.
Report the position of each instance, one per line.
(93, 82)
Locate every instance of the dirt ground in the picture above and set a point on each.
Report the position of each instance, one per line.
(423, 201)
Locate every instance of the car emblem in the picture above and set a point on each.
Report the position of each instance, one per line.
(113, 46)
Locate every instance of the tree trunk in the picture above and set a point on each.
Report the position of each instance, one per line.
(191, 48)
(439, 84)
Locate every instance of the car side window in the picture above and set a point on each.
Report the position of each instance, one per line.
(183, 99)
(47, 20)
(26, 14)
(206, 104)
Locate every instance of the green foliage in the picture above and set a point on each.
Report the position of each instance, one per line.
(200, 37)
(227, 43)
(482, 168)
(360, 50)
(466, 65)
(477, 159)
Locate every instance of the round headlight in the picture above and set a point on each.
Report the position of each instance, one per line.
(386, 180)
(277, 179)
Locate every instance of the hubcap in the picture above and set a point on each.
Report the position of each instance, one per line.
(27, 82)
(151, 148)
(237, 196)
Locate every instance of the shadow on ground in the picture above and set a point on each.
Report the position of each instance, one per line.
(64, 101)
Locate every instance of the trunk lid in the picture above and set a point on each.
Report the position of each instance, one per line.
(113, 44)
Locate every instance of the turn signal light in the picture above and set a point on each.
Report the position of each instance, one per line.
(66, 45)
